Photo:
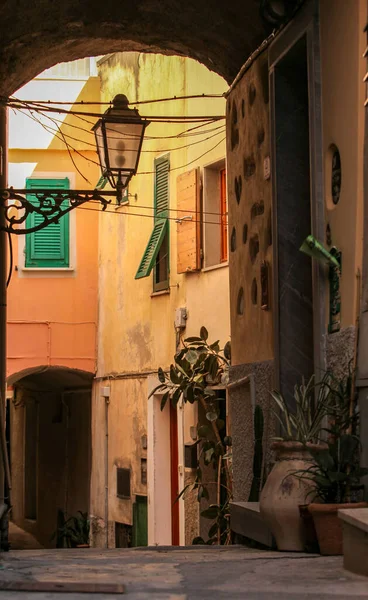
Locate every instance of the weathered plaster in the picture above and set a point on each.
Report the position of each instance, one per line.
(340, 347)
(242, 399)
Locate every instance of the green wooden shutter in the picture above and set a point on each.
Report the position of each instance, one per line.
(48, 247)
(161, 213)
(161, 191)
(152, 249)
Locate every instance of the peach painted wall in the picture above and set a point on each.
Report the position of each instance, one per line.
(52, 313)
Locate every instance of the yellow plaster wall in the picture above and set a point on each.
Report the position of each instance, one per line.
(136, 330)
(343, 92)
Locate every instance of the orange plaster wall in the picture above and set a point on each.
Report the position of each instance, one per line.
(52, 315)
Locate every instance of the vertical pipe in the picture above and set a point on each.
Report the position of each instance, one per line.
(3, 277)
(107, 401)
(3, 264)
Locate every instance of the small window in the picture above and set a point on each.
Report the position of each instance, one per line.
(47, 248)
(144, 471)
(123, 483)
(215, 217)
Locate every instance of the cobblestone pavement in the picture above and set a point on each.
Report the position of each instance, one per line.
(184, 574)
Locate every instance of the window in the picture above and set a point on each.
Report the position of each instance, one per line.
(122, 483)
(215, 229)
(48, 247)
(156, 254)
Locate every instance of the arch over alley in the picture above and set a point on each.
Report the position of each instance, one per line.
(38, 35)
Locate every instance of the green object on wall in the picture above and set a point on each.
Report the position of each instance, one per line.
(48, 247)
(315, 249)
(140, 521)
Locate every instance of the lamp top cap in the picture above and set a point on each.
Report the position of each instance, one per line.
(120, 101)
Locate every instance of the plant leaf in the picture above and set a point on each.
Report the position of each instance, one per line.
(204, 334)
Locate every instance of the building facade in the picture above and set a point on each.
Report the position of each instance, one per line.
(52, 311)
(163, 273)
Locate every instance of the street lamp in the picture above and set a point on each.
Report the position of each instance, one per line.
(119, 137)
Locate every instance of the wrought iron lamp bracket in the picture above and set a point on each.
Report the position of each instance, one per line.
(50, 207)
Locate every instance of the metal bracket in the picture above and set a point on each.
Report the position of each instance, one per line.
(50, 206)
(186, 218)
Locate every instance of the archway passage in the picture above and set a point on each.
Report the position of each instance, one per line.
(37, 35)
(49, 434)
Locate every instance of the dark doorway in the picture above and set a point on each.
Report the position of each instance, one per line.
(30, 461)
(293, 218)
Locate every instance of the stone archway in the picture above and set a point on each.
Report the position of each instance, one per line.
(40, 34)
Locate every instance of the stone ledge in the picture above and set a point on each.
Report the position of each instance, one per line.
(355, 539)
(246, 520)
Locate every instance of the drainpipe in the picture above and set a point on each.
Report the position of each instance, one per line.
(106, 395)
(3, 277)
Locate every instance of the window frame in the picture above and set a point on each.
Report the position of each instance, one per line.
(214, 218)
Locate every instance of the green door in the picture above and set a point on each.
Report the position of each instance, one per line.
(140, 533)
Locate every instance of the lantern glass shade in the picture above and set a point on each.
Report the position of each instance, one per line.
(119, 136)
(124, 144)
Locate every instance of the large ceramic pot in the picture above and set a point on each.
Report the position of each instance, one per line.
(329, 526)
(284, 492)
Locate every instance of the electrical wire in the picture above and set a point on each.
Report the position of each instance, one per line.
(153, 118)
(114, 212)
(110, 102)
(185, 133)
(139, 172)
(93, 144)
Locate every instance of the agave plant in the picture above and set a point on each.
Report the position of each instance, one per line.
(312, 404)
(335, 472)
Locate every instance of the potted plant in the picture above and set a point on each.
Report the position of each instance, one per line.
(335, 477)
(75, 531)
(284, 491)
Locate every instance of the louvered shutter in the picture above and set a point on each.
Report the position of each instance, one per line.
(161, 213)
(161, 191)
(152, 249)
(48, 247)
(189, 226)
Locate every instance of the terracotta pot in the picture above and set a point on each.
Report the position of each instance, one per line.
(311, 541)
(329, 526)
(284, 492)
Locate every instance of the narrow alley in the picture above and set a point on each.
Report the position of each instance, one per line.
(189, 573)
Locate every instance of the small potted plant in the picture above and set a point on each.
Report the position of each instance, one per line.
(335, 472)
(75, 531)
(301, 423)
(335, 477)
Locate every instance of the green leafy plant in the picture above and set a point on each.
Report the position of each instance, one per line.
(335, 472)
(75, 530)
(197, 366)
(303, 420)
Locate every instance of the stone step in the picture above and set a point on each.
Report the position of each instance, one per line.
(355, 539)
(246, 520)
